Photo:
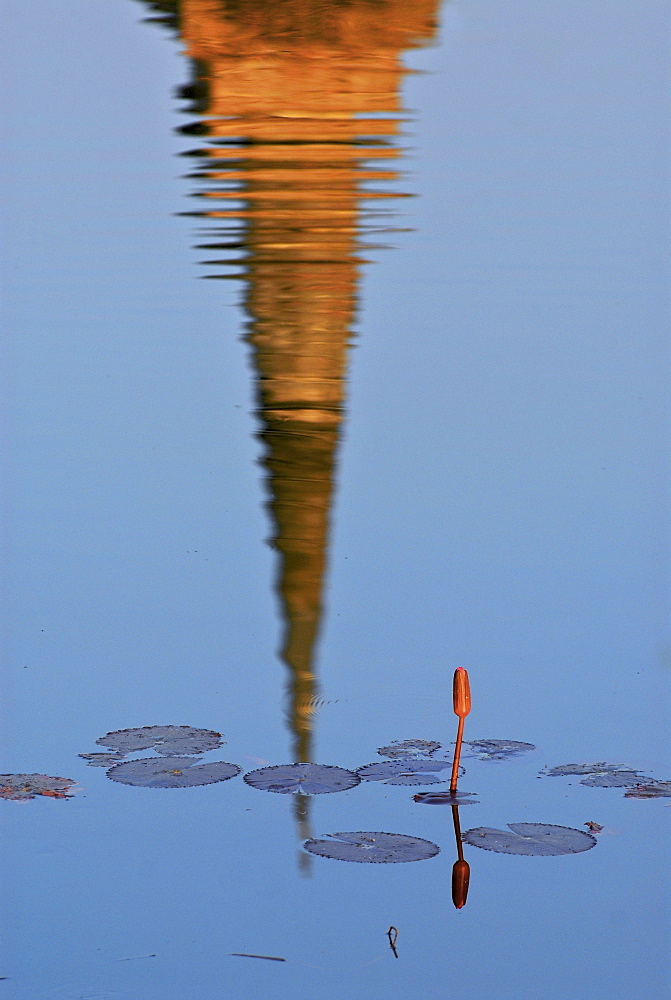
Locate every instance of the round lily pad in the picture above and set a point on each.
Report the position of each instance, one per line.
(446, 798)
(20, 787)
(177, 772)
(372, 848)
(171, 741)
(614, 779)
(541, 839)
(409, 771)
(410, 748)
(567, 769)
(306, 778)
(102, 759)
(498, 749)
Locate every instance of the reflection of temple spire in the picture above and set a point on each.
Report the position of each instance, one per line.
(298, 100)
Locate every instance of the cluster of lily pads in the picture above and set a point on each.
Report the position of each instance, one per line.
(407, 762)
(603, 775)
(176, 767)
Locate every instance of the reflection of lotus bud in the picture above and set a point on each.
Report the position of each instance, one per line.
(461, 874)
(461, 693)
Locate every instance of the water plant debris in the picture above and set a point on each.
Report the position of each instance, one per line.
(411, 771)
(268, 958)
(650, 790)
(392, 934)
(166, 740)
(593, 827)
(372, 847)
(304, 778)
(21, 787)
(539, 839)
(174, 772)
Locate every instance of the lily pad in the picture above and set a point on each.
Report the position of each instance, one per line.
(171, 741)
(409, 771)
(615, 779)
(410, 748)
(498, 749)
(446, 798)
(20, 787)
(102, 759)
(178, 772)
(567, 769)
(540, 839)
(372, 848)
(650, 790)
(305, 778)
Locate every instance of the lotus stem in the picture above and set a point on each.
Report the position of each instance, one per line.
(461, 701)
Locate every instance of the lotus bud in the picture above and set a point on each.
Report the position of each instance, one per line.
(461, 693)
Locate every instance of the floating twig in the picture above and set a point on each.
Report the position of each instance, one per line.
(392, 934)
(268, 958)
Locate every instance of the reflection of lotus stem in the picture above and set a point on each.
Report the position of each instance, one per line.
(461, 872)
(457, 833)
(461, 700)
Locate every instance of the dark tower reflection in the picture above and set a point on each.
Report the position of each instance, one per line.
(299, 101)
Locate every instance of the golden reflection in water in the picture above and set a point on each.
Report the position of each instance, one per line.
(300, 104)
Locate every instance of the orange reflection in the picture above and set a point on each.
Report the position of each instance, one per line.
(298, 103)
(299, 100)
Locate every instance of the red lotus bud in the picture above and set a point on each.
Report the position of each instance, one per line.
(461, 693)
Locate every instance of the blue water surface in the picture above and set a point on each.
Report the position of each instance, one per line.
(499, 501)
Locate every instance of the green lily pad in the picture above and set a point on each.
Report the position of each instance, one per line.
(539, 839)
(102, 759)
(410, 771)
(304, 778)
(498, 749)
(369, 847)
(176, 772)
(615, 779)
(600, 774)
(171, 741)
(569, 769)
(446, 798)
(410, 748)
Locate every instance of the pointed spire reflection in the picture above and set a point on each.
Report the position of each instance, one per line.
(299, 103)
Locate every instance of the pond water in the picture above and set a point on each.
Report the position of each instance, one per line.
(284, 503)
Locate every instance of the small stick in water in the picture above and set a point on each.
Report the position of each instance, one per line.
(392, 934)
(461, 701)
